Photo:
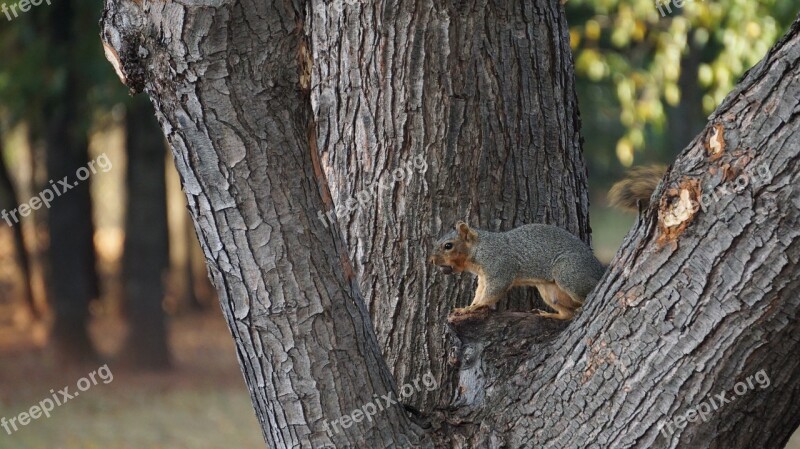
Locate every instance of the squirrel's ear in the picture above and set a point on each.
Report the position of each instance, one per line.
(465, 232)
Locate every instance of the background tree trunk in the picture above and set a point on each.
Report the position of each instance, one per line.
(687, 118)
(10, 200)
(475, 102)
(72, 277)
(146, 252)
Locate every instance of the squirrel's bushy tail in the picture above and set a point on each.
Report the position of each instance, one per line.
(638, 185)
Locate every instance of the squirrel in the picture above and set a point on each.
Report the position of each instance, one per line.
(557, 263)
(560, 265)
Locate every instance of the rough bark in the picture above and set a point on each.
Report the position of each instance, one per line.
(230, 85)
(146, 251)
(475, 102)
(695, 304)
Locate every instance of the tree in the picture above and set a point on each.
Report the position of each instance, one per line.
(48, 67)
(146, 253)
(669, 61)
(72, 275)
(244, 94)
(72, 279)
(9, 201)
(447, 123)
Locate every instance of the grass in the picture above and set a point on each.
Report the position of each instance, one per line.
(108, 418)
(201, 404)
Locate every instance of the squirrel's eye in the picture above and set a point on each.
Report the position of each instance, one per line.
(448, 246)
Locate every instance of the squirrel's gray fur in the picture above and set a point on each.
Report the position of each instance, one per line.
(535, 251)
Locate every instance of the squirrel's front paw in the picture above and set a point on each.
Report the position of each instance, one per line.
(544, 313)
(472, 308)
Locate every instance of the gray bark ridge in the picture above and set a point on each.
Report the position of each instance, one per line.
(690, 340)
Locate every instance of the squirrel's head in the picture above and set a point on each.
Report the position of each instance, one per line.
(453, 252)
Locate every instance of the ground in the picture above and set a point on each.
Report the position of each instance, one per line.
(202, 404)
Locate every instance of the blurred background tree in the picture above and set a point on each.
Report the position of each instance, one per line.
(49, 82)
(59, 103)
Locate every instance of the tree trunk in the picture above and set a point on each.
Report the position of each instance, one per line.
(72, 277)
(243, 139)
(72, 280)
(10, 200)
(236, 107)
(431, 112)
(146, 252)
(686, 119)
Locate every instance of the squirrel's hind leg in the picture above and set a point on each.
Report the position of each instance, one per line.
(557, 299)
(576, 277)
(564, 313)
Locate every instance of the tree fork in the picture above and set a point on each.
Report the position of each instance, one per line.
(700, 298)
(482, 92)
(697, 301)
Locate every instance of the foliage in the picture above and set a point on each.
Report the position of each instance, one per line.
(44, 57)
(629, 44)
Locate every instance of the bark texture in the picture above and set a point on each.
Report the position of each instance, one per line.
(230, 85)
(701, 297)
(429, 112)
(697, 300)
